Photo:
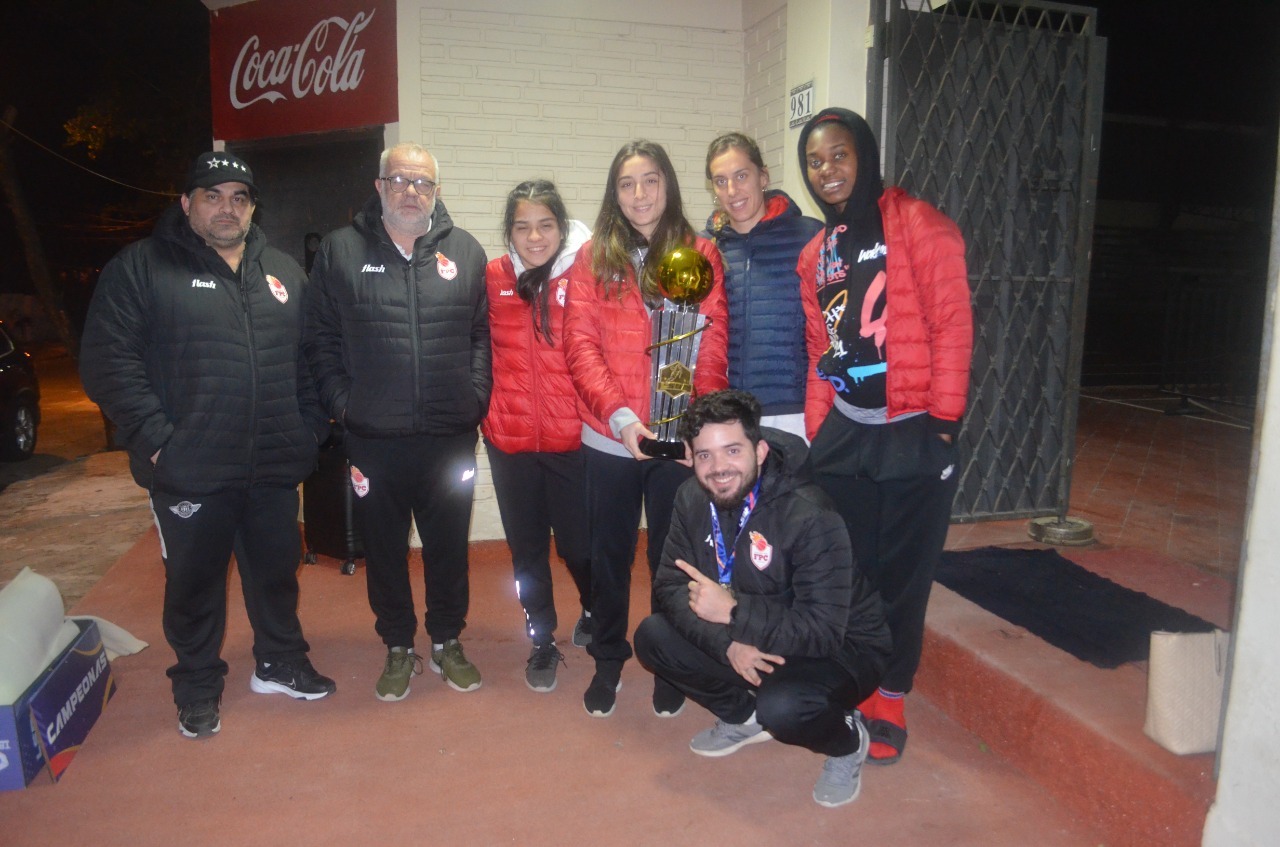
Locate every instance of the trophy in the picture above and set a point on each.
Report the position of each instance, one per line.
(685, 279)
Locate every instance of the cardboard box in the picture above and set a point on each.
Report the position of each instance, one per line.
(52, 718)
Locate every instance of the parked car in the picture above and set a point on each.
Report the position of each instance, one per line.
(19, 400)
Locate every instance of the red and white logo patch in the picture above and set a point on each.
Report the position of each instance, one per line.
(562, 288)
(359, 482)
(761, 551)
(278, 290)
(446, 267)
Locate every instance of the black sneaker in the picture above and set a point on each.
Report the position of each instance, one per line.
(583, 630)
(668, 701)
(296, 677)
(540, 673)
(602, 694)
(199, 719)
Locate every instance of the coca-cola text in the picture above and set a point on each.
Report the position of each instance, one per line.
(308, 67)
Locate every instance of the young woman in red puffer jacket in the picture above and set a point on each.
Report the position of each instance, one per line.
(532, 433)
(612, 289)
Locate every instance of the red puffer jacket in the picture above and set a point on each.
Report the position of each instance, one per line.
(928, 319)
(605, 341)
(533, 407)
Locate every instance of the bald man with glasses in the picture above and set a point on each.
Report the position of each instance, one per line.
(398, 338)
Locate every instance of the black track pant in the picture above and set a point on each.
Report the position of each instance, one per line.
(539, 493)
(198, 535)
(803, 702)
(893, 485)
(430, 479)
(616, 489)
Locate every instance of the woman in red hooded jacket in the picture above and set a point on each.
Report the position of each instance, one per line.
(889, 330)
(532, 433)
(612, 290)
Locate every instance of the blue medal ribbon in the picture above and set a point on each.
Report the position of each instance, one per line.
(724, 558)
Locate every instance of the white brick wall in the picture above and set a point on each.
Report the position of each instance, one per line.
(764, 107)
(509, 97)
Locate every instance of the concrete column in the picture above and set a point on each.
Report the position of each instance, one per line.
(1244, 812)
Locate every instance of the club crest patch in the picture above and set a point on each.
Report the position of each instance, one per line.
(278, 290)
(761, 551)
(446, 267)
(359, 482)
(185, 509)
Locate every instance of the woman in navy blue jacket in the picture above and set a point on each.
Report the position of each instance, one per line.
(760, 234)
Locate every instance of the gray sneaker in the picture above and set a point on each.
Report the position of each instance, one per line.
(725, 738)
(540, 673)
(841, 777)
(583, 630)
(452, 665)
(402, 664)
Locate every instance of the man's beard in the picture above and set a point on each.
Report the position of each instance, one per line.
(410, 222)
(735, 498)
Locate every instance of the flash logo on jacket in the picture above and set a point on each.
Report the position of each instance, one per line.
(562, 288)
(761, 550)
(374, 269)
(359, 482)
(446, 267)
(203, 283)
(278, 290)
(506, 292)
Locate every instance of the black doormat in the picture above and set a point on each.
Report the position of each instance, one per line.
(1074, 609)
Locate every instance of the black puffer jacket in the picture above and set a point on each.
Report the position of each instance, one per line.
(202, 363)
(400, 347)
(799, 592)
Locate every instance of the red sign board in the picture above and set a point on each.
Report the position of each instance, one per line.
(283, 67)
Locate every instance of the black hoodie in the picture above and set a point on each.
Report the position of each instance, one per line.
(851, 268)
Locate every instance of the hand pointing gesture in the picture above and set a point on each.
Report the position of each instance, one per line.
(708, 599)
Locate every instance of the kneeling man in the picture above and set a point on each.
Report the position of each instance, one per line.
(763, 618)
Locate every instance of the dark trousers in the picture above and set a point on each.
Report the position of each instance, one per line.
(616, 489)
(803, 702)
(430, 479)
(197, 538)
(541, 493)
(893, 484)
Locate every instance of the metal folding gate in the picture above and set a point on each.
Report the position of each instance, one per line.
(991, 111)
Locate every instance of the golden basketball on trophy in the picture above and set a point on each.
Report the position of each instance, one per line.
(685, 278)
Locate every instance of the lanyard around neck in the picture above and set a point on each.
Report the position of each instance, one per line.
(725, 557)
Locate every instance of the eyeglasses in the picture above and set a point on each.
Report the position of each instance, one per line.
(399, 185)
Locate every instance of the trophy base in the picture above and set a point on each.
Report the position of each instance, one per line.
(671, 450)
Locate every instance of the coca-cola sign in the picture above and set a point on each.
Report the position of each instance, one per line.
(282, 67)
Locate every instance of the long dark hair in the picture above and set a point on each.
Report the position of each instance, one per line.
(614, 237)
(531, 285)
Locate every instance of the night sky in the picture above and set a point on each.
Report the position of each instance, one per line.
(56, 56)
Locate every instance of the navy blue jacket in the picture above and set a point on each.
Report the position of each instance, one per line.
(767, 354)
